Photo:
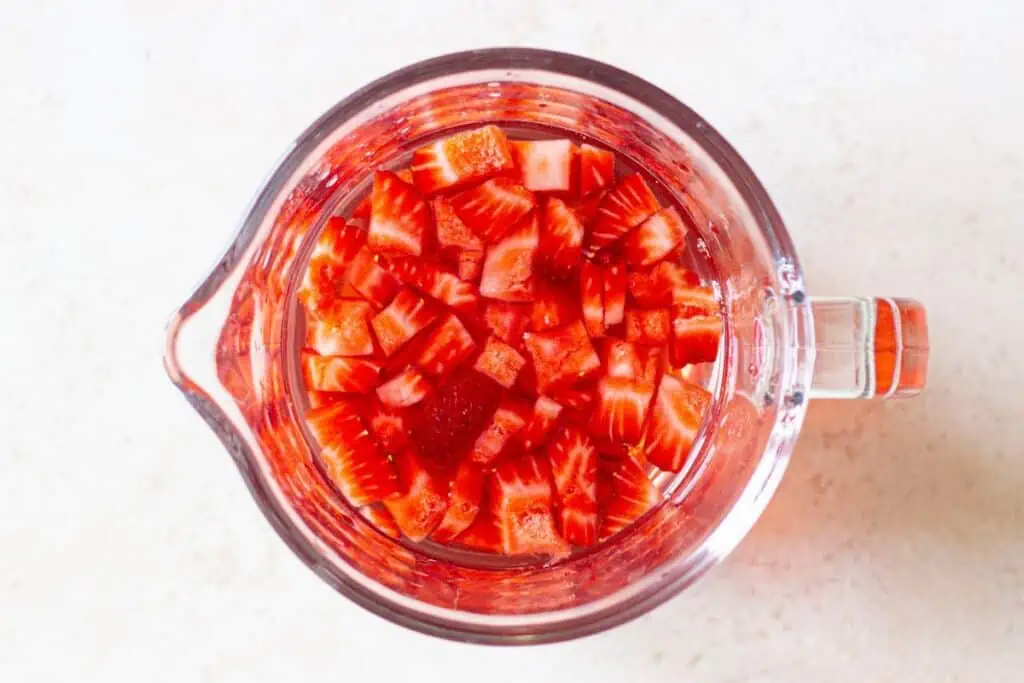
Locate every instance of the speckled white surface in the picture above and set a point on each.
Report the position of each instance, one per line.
(890, 135)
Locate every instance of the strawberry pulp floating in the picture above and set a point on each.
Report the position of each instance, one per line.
(496, 342)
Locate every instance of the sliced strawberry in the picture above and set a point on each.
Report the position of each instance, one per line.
(561, 356)
(553, 306)
(388, 426)
(597, 168)
(338, 373)
(586, 208)
(508, 272)
(426, 277)
(399, 219)
(461, 159)
(493, 208)
(694, 340)
(621, 408)
(505, 423)
(319, 399)
(349, 456)
(446, 424)
(407, 388)
(614, 293)
(580, 399)
(691, 301)
(625, 497)
(471, 264)
(484, 533)
(422, 501)
(500, 362)
(655, 238)
(592, 298)
(367, 277)
(626, 206)
(541, 422)
(464, 496)
(647, 326)
(545, 165)
(452, 233)
(363, 210)
(447, 346)
(521, 497)
(573, 459)
(675, 420)
(401, 321)
(561, 238)
(621, 359)
(343, 329)
(334, 250)
(507, 320)
(381, 519)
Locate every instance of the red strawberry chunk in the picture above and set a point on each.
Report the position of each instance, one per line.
(461, 159)
(553, 306)
(694, 340)
(597, 168)
(471, 264)
(447, 346)
(437, 282)
(647, 327)
(580, 399)
(509, 264)
(545, 165)
(626, 206)
(541, 423)
(692, 301)
(561, 238)
(448, 421)
(422, 501)
(464, 496)
(401, 321)
(573, 459)
(655, 238)
(483, 534)
(621, 409)
(407, 388)
(373, 283)
(521, 497)
(452, 233)
(349, 456)
(388, 426)
(592, 298)
(493, 208)
(319, 399)
(343, 329)
(675, 420)
(399, 219)
(561, 356)
(339, 373)
(621, 359)
(505, 423)
(586, 208)
(335, 249)
(506, 320)
(614, 291)
(381, 519)
(626, 496)
(500, 362)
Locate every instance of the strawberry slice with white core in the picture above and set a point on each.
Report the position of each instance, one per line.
(647, 327)
(342, 330)
(423, 499)
(676, 418)
(614, 293)
(339, 373)
(461, 159)
(407, 388)
(561, 238)
(506, 422)
(592, 298)
(467, 488)
(655, 238)
(448, 346)
(621, 359)
(507, 320)
(500, 362)
(573, 459)
(493, 208)
(381, 519)
(334, 250)
(437, 282)
(544, 165)
(401, 321)
(452, 233)
(626, 206)
(521, 497)
(399, 219)
(694, 340)
(622, 404)
(538, 428)
(553, 306)
(388, 426)
(597, 168)
(361, 214)
(561, 356)
(508, 272)
(350, 458)
(627, 496)
(373, 283)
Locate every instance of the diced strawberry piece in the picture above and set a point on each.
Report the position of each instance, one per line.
(580, 399)
(675, 420)
(592, 298)
(586, 208)
(694, 340)
(508, 272)
(471, 264)
(483, 534)
(452, 233)
(365, 207)
(626, 206)
(493, 208)
(422, 501)
(573, 459)
(349, 456)
(505, 423)
(448, 421)
(399, 219)
(407, 388)
(388, 426)
(544, 165)
(401, 321)
(437, 282)
(506, 320)
(561, 356)
(553, 306)
(381, 519)
(367, 277)
(500, 362)
(461, 159)
(339, 373)
(448, 345)
(342, 330)
(335, 249)
(526, 382)
(626, 496)
(464, 496)
(541, 422)
(655, 238)
(647, 327)
(694, 301)
(597, 168)
(614, 291)
(319, 399)
(561, 238)
(521, 497)
(621, 359)
(621, 408)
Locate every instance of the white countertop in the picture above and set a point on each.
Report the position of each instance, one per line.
(890, 135)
